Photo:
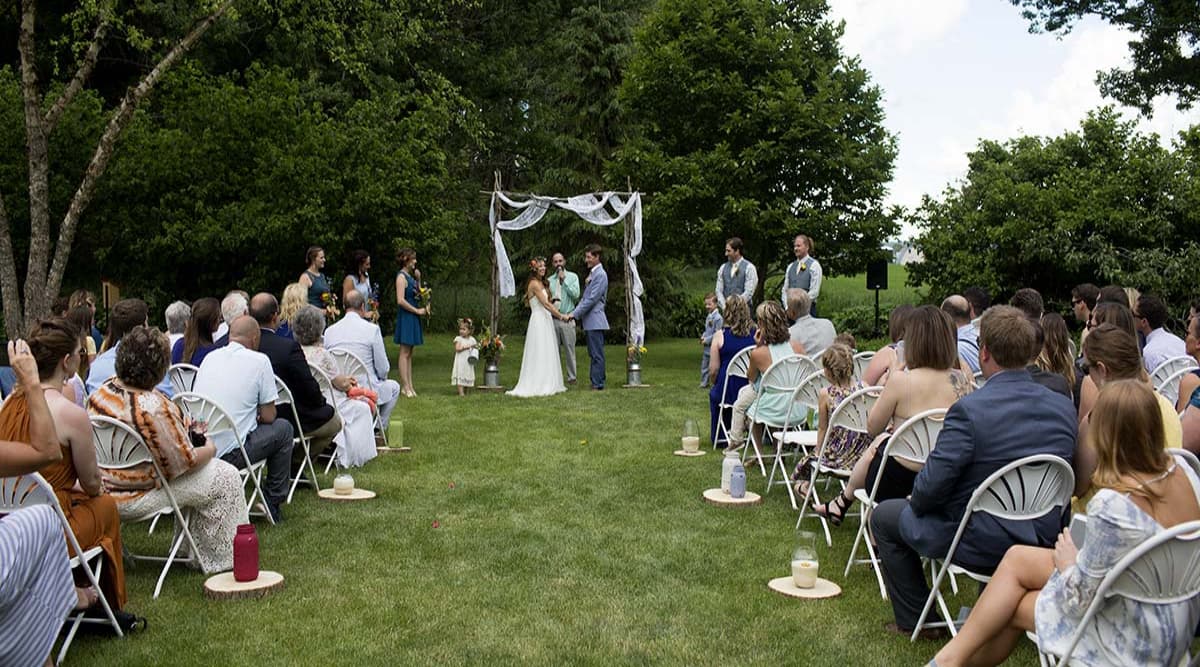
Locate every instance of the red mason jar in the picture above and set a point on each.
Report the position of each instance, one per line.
(245, 553)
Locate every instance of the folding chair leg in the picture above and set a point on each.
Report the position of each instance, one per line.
(810, 499)
(757, 453)
(306, 466)
(255, 479)
(875, 566)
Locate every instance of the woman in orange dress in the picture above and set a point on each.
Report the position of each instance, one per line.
(56, 346)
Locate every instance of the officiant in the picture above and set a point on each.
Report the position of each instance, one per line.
(804, 273)
(564, 294)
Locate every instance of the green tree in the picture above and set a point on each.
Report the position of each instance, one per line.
(1103, 204)
(1166, 53)
(752, 122)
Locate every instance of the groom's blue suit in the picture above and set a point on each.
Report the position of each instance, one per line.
(590, 313)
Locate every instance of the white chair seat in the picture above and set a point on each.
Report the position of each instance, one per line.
(803, 438)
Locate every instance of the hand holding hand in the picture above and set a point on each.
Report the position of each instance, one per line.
(1065, 552)
(23, 363)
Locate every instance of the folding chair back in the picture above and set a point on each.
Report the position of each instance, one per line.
(326, 385)
(786, 374)
(285, 397)
(1023, 490)
(182, 377)
(32, 490)
(861, 361)
(1170, 386)
(350, 364)
(203, 408)
(1187, 456)
(119, 447)
(915, 438)
(1165, 569)
(1170, 367)
(808, 394)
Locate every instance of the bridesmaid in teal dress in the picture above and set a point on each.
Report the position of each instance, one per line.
(408, 317)
(313, 280)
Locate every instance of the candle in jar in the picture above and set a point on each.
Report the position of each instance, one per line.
(343, 485)
(804, 573)
(691, 443)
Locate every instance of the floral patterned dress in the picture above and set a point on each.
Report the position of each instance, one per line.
(845, 446)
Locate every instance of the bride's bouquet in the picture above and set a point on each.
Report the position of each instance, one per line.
(490, 346)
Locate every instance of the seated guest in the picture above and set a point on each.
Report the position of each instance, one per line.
(1083, 302)
(82, 297)
(1190, 423)
(932, 378)
(295, 297)
(235, 304)
(968, 336)
(75, 390)
(239, 379)
(356, 333)
(177, 316)
(891, 355)
(318, 420)
(211, 489)
(36, 588)
(198, 339)
(356, 442)
(980, 302)
(812, 333)
(1028, 301)
(1144, 491)
(1149, 316)
(735, 336)
(1008, 418)
(57, 345)
(1053, 366)
(773, 343)
(845, 446)
(126, 314)
(1105, 312)
(1112, 355)
(1190, 382)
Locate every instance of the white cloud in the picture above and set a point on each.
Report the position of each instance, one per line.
(897, 27)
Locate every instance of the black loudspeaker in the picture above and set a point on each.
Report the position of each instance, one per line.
(877, 274)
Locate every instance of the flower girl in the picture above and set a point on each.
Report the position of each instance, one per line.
(463, 373)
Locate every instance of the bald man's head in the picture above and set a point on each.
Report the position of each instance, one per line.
(264, 308)
(958, 308)
(245, 331)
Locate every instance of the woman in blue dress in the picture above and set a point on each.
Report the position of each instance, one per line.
(359, 279)
(313, 280)
(408, 316)
(737, 335)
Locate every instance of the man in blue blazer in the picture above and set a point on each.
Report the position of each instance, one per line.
(1009, 418)
(590, 313)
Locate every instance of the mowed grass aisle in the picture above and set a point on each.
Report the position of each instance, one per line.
(567, 534)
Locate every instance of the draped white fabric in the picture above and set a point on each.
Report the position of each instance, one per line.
(605, 209)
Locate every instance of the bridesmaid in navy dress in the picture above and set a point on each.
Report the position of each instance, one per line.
(408, 316)
(737, 335)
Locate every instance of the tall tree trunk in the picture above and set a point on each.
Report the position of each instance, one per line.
(36, 143)
(14, 321)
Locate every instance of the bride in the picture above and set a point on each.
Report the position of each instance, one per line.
(541, 374)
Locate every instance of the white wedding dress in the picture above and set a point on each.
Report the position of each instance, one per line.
(541, 374)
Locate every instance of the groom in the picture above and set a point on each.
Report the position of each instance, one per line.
(590, 313)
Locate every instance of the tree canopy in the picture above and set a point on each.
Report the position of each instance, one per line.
(1165, 54)
(749, 121)
(1103, 204)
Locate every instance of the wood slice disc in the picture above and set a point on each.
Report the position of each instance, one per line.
(393, 450)
(722, 499)
(224, 587)
(824, 588)
(635, 386)
(356, 494)
(684, 452)
(491, 388)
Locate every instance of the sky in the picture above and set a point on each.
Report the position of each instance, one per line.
(954, 72)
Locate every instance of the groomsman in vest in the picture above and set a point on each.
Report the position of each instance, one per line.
(736, 276)
(564, 293)
(804, 273)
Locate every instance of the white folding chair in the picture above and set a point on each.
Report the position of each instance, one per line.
(31, 490)
(1169, 389)
(352, 365)
(119, 447)
(781, 378)
(182, 377)
(1170, 367)
(861, 361)
(1023, 490)
(1165, 569)
(326, 385)
(911, 441)
(204, 409)
(739, 365)
(805, 398)
(850, 414)
(285, 396)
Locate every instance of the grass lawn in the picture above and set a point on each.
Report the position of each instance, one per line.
(568, 534)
